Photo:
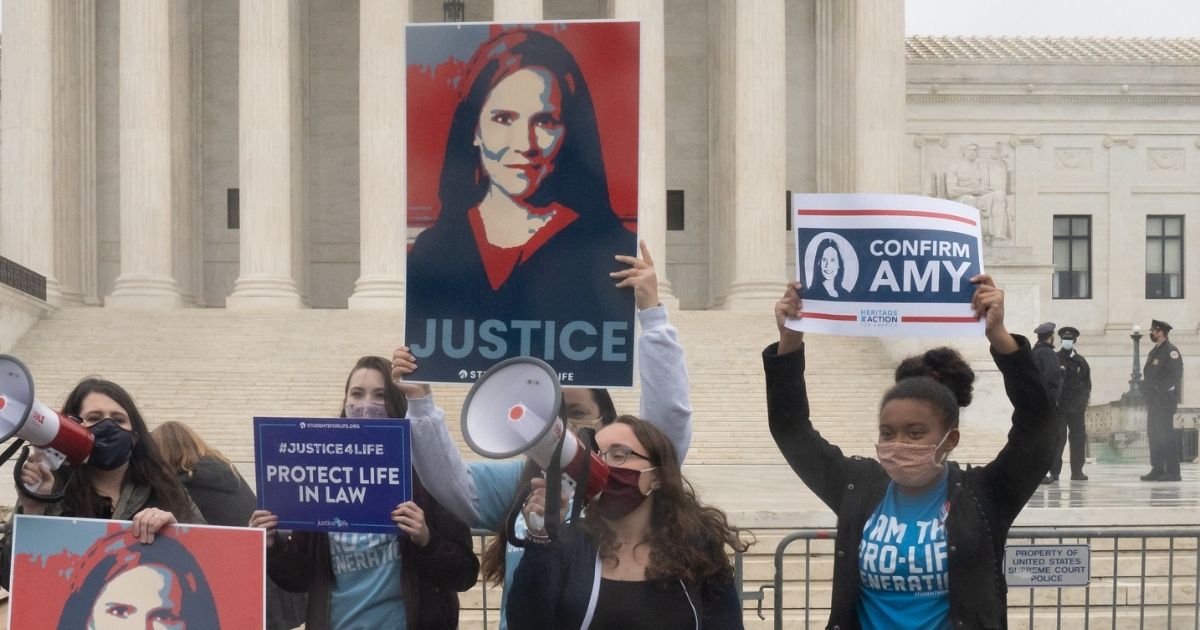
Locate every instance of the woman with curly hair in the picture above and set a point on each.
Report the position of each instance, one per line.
(920, 540)
(646, 554)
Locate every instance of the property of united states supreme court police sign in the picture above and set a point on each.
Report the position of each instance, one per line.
(1047, 565)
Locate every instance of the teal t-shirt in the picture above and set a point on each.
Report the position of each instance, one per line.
(367, 591)
(495, 486)
(902, 567)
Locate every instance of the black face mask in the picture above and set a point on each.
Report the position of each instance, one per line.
(113, 445)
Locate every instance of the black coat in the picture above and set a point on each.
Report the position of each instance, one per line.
(1163, 376)
(553, 587)
(1076, 383)
(223, 496)
(565, 280)
(984, 500)
(1049, 368)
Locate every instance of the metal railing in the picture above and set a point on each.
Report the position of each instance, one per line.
(1122, 542)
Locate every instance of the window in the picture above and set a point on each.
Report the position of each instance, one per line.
(788, 211)
(1164, 257)
(1072, 257)
(675, 210)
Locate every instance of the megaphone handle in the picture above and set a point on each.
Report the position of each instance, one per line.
(32, 493)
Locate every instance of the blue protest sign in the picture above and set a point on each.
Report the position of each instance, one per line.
(886, 265)
(333, 475)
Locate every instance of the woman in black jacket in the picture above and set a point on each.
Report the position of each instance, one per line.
(919, 540)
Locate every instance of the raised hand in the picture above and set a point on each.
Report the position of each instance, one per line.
(988, 304)
(788, 307)
(403, 364)
(641, 276)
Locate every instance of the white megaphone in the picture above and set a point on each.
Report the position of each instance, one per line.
(513, 409)
(22, 415)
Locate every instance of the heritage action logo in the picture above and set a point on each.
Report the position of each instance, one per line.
(879, 317)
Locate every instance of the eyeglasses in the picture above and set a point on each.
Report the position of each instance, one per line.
(617, 455)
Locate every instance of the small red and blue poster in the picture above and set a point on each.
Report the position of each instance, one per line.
(522, 190)
(886, 265)
(75, 573)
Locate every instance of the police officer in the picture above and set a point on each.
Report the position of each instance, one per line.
(1049, 369)
(1072, 402)
(1160, 387)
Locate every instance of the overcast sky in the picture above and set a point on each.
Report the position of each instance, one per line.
(1076, 18)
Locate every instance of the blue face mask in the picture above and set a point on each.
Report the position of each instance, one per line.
(1067, 344)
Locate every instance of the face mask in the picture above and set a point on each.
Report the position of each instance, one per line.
(365, 409)
(113, 445)
(622, 495)
(1067, 344)
(912, 465)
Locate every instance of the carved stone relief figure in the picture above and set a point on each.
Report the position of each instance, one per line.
(984, 184)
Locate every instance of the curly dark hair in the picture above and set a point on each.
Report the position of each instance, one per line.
(687, 539)
(146, 466)
(940, 377)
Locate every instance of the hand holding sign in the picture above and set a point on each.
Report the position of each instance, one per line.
(147, 523)
(988, 304)
(788, 308)
(409, 517)
(641, 276)
(403, 364)
(264, 519)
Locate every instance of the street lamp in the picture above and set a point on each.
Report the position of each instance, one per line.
(1134, 395)
(453, 11)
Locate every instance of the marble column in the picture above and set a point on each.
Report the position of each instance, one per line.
(1126, 233)
(747, 168)
(27, 196)
(67, 107)
(516, 10)
(89, 283)
(860, 95)
(652, 132)
(270, 154)
(382, 142)
(147, 195)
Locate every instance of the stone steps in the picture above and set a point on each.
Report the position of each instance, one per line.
(216, 369)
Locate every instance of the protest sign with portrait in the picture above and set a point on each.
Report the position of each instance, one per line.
(333, 475)
(886, 265)
(72, 573)
(522, 188)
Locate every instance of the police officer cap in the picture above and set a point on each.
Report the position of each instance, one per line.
(1068, 332)
(1163, 326)
(1044, 329)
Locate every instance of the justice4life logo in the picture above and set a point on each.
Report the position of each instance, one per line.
(830, 267)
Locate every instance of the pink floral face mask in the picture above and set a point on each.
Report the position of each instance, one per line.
(912, 465)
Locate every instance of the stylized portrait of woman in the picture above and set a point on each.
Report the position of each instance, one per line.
(122, 583)
(830, 265)
(526, 229)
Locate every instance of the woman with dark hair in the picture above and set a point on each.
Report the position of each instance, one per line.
(526, 228)
(482, 492)
(646, 554)
(829, 265)
(124, 478)
(377, 580)
(158, 585)
(920, 541)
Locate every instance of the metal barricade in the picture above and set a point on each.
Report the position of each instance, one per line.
(1125, 542)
